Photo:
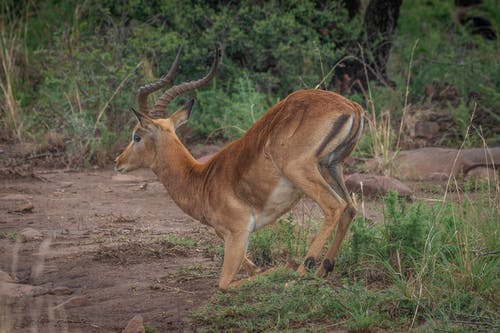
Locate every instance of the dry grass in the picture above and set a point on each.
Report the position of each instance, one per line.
(11, 30)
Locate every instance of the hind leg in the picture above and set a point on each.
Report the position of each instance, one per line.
(314, 185)
(250, 267)
(334, 176)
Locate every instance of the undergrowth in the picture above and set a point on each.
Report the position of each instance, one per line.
(423, 268)
(78, 78)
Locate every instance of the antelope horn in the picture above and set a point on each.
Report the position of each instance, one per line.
(175, 91)
(145, 90)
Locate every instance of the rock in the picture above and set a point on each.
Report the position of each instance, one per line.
(24, 208)
(126, 178)
(65, 184)
(74, 301)
(18, 290)
(135, 325)
(30, 234)
(18, 203)
(206, 158)
(59, 291)
(426, 129)
(16, 197)
(482, 173)
(425, 163)
(376, 185)
(5, 277)
(438, 176)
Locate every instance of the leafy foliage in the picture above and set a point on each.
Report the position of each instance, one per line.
(93, 60)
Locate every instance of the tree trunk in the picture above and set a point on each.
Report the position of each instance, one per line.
(380, 22)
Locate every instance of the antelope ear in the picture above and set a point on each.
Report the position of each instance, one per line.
(181, 116)
(142, 118)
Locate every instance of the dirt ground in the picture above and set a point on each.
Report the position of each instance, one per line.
(100, 258)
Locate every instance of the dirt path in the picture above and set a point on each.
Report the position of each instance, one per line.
(102, 250)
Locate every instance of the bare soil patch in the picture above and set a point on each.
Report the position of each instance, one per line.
(103, 256)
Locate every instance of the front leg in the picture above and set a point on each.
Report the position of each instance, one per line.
(235, 246)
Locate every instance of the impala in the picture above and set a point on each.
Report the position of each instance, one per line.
(297, 147)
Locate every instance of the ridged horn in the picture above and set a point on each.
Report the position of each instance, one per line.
(145, 90)
(175, 91)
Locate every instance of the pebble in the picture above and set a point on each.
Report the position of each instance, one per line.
(135, 325)
(60, 291)
(30, 234)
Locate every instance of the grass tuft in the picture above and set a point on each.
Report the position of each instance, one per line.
(422, 267)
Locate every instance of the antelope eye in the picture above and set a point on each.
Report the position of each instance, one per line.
(137, 138)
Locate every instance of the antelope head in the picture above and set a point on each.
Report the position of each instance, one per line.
(151, 129)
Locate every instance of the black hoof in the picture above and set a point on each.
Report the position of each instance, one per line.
(309, 263)
(327, 265)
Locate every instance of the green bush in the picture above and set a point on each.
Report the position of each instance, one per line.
(88, 62)
(447, 52)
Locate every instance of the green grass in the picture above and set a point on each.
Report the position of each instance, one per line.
(14, 236)
(423, 267)
(150, 329)
(211, 249)
(280, 242)
(175, 240)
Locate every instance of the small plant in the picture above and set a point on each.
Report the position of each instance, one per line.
(278, 243)
(150, 329)
(175, 240)
(14, 236)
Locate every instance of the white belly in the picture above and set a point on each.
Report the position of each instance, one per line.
(283, 197)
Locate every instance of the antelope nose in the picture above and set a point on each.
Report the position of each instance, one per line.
(120, 170)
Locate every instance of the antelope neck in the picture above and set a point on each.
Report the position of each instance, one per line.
(181, 176)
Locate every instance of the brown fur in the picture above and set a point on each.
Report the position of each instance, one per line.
(295, 148)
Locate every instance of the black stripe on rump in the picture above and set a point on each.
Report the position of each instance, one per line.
(346, 146)
(337, 126)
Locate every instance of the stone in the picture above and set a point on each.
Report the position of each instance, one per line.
(24, 208)
(16, 197)
(30, 234)
(376, 185)
(425, 163)
(60, 291)
(206, 158)
(5, 277)
(135, 325)
(18, 290)
(438, 176)
(66, 184)
(482, 173)
(126, 178)
(426, 129)
(18, 203)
